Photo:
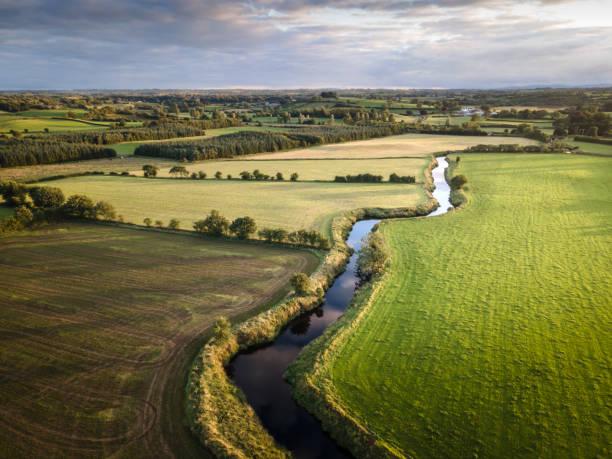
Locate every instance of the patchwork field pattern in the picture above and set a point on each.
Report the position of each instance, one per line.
(99, 325)
(492, 333)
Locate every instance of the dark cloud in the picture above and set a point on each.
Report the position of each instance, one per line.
(282, 43)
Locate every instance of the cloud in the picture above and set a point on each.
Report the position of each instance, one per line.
(282, 43)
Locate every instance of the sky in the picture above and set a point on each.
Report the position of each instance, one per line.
(193, 44)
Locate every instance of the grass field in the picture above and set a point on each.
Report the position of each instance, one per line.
(395, 146)
(299, 205)
(590, 147)
(125, 164)
(100, 325)
(492, 333)
(38, 124)
(313, 169)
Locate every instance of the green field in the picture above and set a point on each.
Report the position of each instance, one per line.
(100, 325)
(590, 147)
(38, 124)
(394, 146)
(492, 333)
(313, 169)
(289, 205)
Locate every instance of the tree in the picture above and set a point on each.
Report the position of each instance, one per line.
(222, 330)
(174, 224)
(80, 206)
(47, 197)
(194, 175)
(14, 193)
(458, 181)
(213, 225)
(148, 222)
(202, 175)
(179, 170)
(243, 227)
(300, 283)
(159, 223)
(294, 177)
(218, 175)
(23, 215)
(279, 176)
(373, 256)
(105, 210)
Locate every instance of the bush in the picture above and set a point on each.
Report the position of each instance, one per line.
(150, 170)
(148, 222)
(372, 257)
(80, 206)
(105, 210)
(243, 227)
(174, 224)
(47, 197)
(294, 177)
(213, 225)
(458, 181)
(301, 284)
(394, 178)
(159, 223)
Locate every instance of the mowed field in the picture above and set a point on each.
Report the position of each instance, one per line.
(288, 205)
(492, 334)
(99, 325)
(394, 146)
(312, 169)
(590, 147)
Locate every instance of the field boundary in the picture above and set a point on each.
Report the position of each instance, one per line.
(217, 411)
(313, 388)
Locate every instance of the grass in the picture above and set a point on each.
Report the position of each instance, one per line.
(308, 205)
(313, 169)
(491, 334)
(589, 147)
(38, 124)
(99, 328)
(394, 146)
(5, 212)
(125, 164)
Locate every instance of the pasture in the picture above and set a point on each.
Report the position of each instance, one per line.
(313, 169)
(491, 335)
(393, 147)
(99, 327)
(288, 205)
(591, 147)
(38, 124)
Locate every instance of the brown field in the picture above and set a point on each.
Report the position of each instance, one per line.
(99, 326)
(393, 147)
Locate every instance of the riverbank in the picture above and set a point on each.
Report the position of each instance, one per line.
(216, 409)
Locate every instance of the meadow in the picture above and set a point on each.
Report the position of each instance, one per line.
(590, 147)
(289, 205)
(490, 333)
(393, 147)
(312, 169)
(100, 325)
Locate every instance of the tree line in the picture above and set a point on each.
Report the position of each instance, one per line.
(217, 225)
(28, 152)
(515, 148)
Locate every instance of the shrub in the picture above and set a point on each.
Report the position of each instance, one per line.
(174, 224)
(279, 176)
(243, 227)
(80, 206)
(300, 283)
(218, 175)
(394, 178)
(213, 225)
(294, 177)
(202, 175)
(159, 223)
(148, 222)
(150, 170)
(179, 171)
(373, 256)
(105, 210)
(458, 181)
(47, 197)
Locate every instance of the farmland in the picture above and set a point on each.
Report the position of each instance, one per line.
(99, 326)
(290, 205)
(313, 169)
(590, 147)
(393, 147)
(491, 332)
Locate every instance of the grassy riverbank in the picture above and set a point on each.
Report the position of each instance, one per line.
(488, 335)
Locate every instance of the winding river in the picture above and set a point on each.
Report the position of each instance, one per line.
(259, 372)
